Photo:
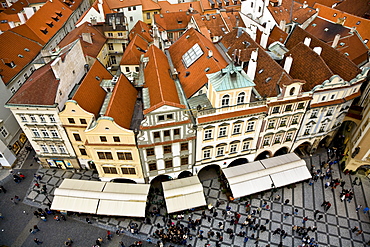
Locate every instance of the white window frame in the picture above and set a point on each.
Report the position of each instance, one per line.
(221, 151)
(207, 154)
(42, 118)
(33, 119)
(44, 148)
(53, 149)
(246, 145)
(62, 149)
(233, 148)
(23, 118)
(3, 131)
(237, 129)
(250, 126)
(225, 101)
(35, 132)
(54, 133)
(52, 119)
(45, 133)
(266, 140)
(289, 137)
(208, 134)
(222, 131)
(241, 98)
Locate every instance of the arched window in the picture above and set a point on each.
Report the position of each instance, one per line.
(241, 98)
(292, 91)
(225, 100)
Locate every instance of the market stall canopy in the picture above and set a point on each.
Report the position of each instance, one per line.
(182, 194)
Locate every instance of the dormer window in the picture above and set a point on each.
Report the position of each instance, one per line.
(10, 64)
(44, 30)
(50, 24)
(55, 18)
(59, 14)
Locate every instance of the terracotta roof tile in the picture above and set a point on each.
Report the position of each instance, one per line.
(42, 19)
(16, 7)
(269, 73)
(21, 54)
(162, 89)
(193, 78)
(150, 5)
(277, 35)
(124, 94)
(114, 4)
(5, 19)
(134, 50)
(167, 7)
(338, 63)
(291, 11)
(172, 21)
(89, 95)
(216, 25)
(361, 24)
(143, 30)
(311, 3)
(42, 80)
(201, 26)
(89, 49)
(355, 7)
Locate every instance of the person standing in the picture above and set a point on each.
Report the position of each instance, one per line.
(36, 228)
(366, 210)
(37, 241)
(13, 201)
(2, 189)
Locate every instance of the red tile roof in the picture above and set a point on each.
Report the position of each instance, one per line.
(277, 35)
(338, 63)
(114, 4)
(167, 7)
(361, 24)
(194, 78)
(150, 5)
(172, 21)
(41, 20)
(5, 19)
(42, 80)
(122, 103)
(97, 37)
(355, 7)
(326, 30)
(291, 11)
(311, 3)
(142, 29)
(162, 88)
(216, 25)
(134, 50)
(21, 54)
(89, 95)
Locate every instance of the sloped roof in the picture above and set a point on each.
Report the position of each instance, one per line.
(167, 7)
(277, 35)
(5, 19)
(230, 78)
(361, 24)
(309, 66)
(41, 21)
(134, 50)
(338, 63)
(150, 5)
(16, 7)
(122, 103)
(143, 30)
(162, 89)
(172, 21)
(97, 37)
(269, 74)
(89, 95)
(202, 27)
(326, 30)
(291, 11)
(216, 25)
(193, 78)
(233, 19)
(355, 7)
(114, 4)
(21, 54)
(42, 80)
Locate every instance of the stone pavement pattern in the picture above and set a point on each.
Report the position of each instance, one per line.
(332, 230)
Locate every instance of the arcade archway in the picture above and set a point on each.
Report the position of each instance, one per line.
(209, 172)
(263, 155)
(237, 162)
(185, 174)
(303, 150)
(123, 180)
(281, 151)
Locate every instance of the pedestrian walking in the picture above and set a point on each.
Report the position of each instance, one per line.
(37, 241)
(36, 185)
(286, 215)
(354, 229)
(36, 228)
(366, 210)
(16, 198)
(315, 213)
(358, 208)
(88, 221)
(246, 239)
(13, 201)
(328, 205)
(69, 242)
(304, 220)
(286, 201)
(2, 189)
(359, 232)
(296, 211)
(1, 216)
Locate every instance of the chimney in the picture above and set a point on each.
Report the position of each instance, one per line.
(307, 41)
(280, 2)
(114, 23)
(282, 25)
(254, 32)
(353, 29)
(318, 50)
(267, 2)
(252, 65)
(210, 53)
(101, 10)
(305, 5)
(288, 63)
(87, 37)
(335, 41)
(93, 21)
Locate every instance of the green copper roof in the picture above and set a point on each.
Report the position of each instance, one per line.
(229, 78)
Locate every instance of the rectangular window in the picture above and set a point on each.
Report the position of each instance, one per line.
(277, 139)
(330, 111)
(233, 148)
(105, 155)
(62, 149)
(283, 122)
(83, 121)
(220, 151)
(207, 154)
(52, 119)
(266, 141)
(44, 149)
(35, 133)
(42, 118)
(45, 133)
(307, 130)
(148, 16)
(192, 55)
(3, 131)
(295, 119)
(166, 133)
(207, 134)
(110, 47)
(276, 109)
(53, 149)
(124, 155)
(168, 164)
(288, 137)
(184, 146)
(184, 161)
(300, 106)
(150, 152)
(250, 126)
(152, 166)
(110, 35)
(120, 34)
(103, 138)
(71, 120)
(128, 170)
(77, 137)
(288, 108)
(322, 127)
(176, 132)
(222, 131)
(167, 149)
(110, 170)
(23, 118)
(116, 139)
(237, 129)
(83, 151)
(314, 113)
(157, 134)
(127, 69)
(33, 118)
(131, 19)
(246, 145)
(271, 124)
(166, 117)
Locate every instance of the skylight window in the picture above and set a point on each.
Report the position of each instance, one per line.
(192, 55)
